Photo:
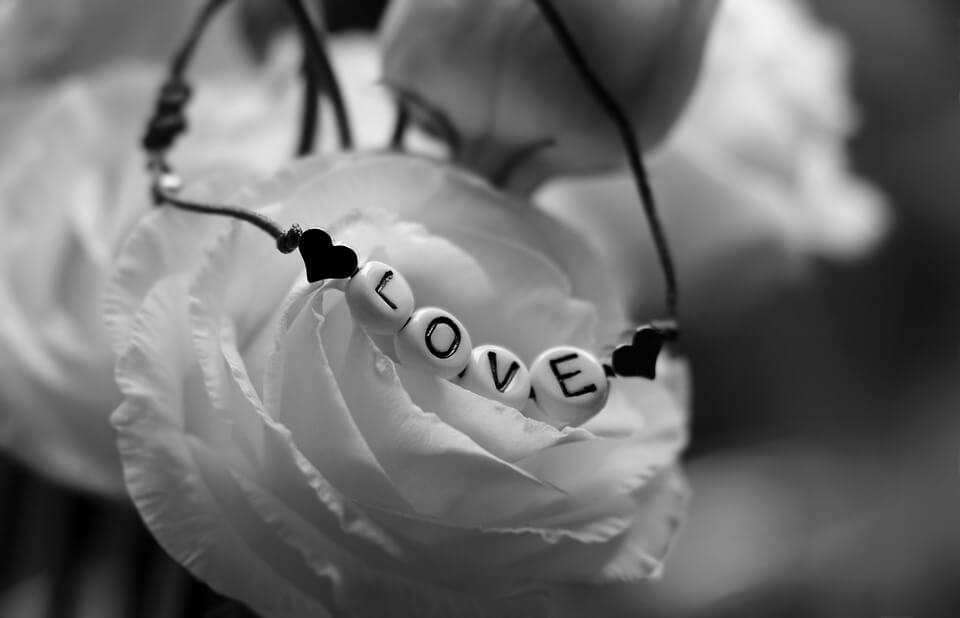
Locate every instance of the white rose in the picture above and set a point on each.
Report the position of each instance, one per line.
(495, 71)
(283, 456)
(755, 178)
(72, 182)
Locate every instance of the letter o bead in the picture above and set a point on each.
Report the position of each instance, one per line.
(499, 374)
(434, 341)
(379, 298)
(569, 383)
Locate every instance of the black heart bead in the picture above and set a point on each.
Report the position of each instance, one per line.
(323, 259)
(639, 357)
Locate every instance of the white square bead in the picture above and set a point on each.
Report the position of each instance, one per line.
(379, 298)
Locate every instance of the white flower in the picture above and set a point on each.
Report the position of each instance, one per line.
(45, 40)
(72, 182)
(496, 72)
(281, 454)
(754, 179)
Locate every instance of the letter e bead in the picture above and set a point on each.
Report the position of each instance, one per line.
(569, 383)
(435, 341)
(379, 298)
(499, 374)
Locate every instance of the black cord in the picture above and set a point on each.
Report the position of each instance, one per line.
(169, 121)
(312, 35)
(185, 54)
(432, 119)
(634, 155)
(400, 126)
(163, 193)
(309, 113)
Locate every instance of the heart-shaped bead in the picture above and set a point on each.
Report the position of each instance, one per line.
(639, 357)
(323, 259)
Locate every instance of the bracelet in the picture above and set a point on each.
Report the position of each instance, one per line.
(568, 384)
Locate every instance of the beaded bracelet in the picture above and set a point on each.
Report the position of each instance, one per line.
(568, 384)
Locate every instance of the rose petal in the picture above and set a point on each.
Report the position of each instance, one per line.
(163, 243)
(307, 497)
(376, 593)
(501, 430)
(446, 202)
(302, 393)
(450, 552)
(635, 553)
(635, 405)
(274, 457)
(275, 461)
(660, 509)
(504, 293)
(440, 471)
(254, 279)
(183, 491)
(336, 329)
(630, 545)
(227, 384)
(617, 465)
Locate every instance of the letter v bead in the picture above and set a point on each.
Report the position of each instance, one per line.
(483, 376)
(495, 371)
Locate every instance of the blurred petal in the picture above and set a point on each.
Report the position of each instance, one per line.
(47, 39)
(496, 72)
(754, 180)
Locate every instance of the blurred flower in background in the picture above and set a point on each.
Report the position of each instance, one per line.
(72, 181)
(519, 110)
(44, 40)
(753, 182)
(825, 428)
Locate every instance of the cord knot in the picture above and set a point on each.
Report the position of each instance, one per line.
(290, 240)
(168, 120)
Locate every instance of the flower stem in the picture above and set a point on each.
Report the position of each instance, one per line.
(634, 156)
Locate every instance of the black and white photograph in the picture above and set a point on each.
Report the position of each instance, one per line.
(479, 308)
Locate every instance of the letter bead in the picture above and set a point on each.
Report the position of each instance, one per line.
(379, 298)
(569, 383)
(497, 373)
(434, 341)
